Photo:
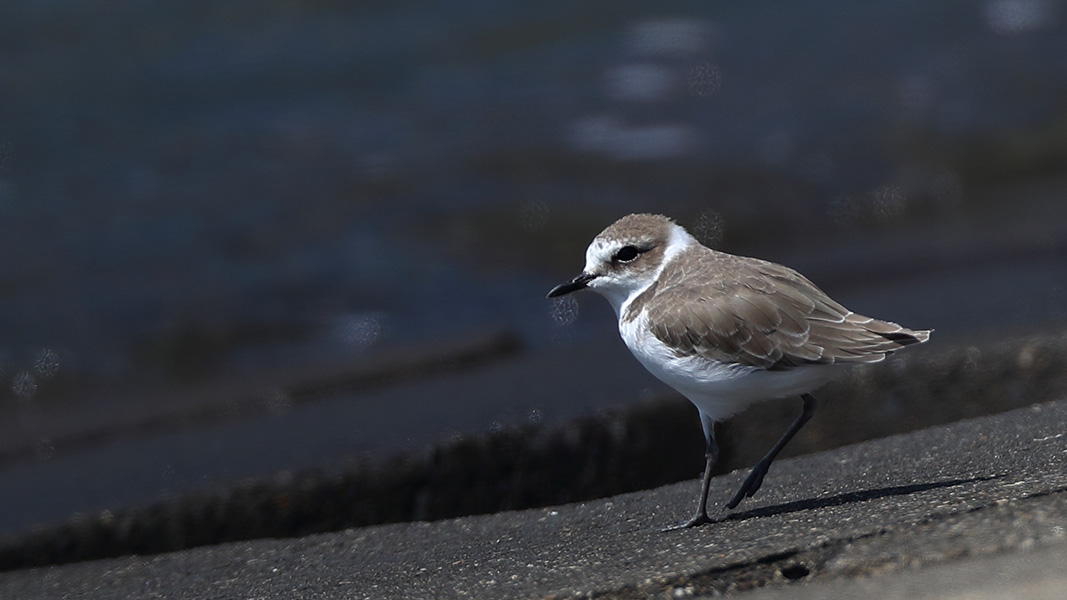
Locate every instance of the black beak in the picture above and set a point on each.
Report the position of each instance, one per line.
(578, 283)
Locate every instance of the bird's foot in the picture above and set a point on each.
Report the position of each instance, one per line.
(699, 519)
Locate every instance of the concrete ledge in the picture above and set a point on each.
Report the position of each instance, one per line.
(984, 486)
(633, 447)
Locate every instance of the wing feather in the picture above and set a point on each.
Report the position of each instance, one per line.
(756, 313)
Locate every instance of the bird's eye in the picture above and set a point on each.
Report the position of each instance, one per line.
(625, 254)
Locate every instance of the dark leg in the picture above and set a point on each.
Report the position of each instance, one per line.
(755, 479)
(711, 456)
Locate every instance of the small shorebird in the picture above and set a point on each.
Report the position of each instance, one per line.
(726, 331)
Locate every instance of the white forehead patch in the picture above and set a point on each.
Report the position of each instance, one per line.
(599, 253)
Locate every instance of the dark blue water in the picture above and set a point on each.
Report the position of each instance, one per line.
(204, 190)
(188, 188)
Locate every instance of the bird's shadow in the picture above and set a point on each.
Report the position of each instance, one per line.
(848, 498)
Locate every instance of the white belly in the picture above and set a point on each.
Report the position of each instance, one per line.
(719, 390)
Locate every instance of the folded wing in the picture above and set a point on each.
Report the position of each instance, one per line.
(765, 315)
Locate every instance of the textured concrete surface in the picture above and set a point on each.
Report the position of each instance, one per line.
(1034, 575)
(982, 487)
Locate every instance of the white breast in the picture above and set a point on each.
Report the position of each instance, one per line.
(718, 389)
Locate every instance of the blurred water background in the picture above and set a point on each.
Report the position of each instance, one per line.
(195, 192)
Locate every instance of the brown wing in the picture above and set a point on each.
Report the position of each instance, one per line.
(749, 311)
